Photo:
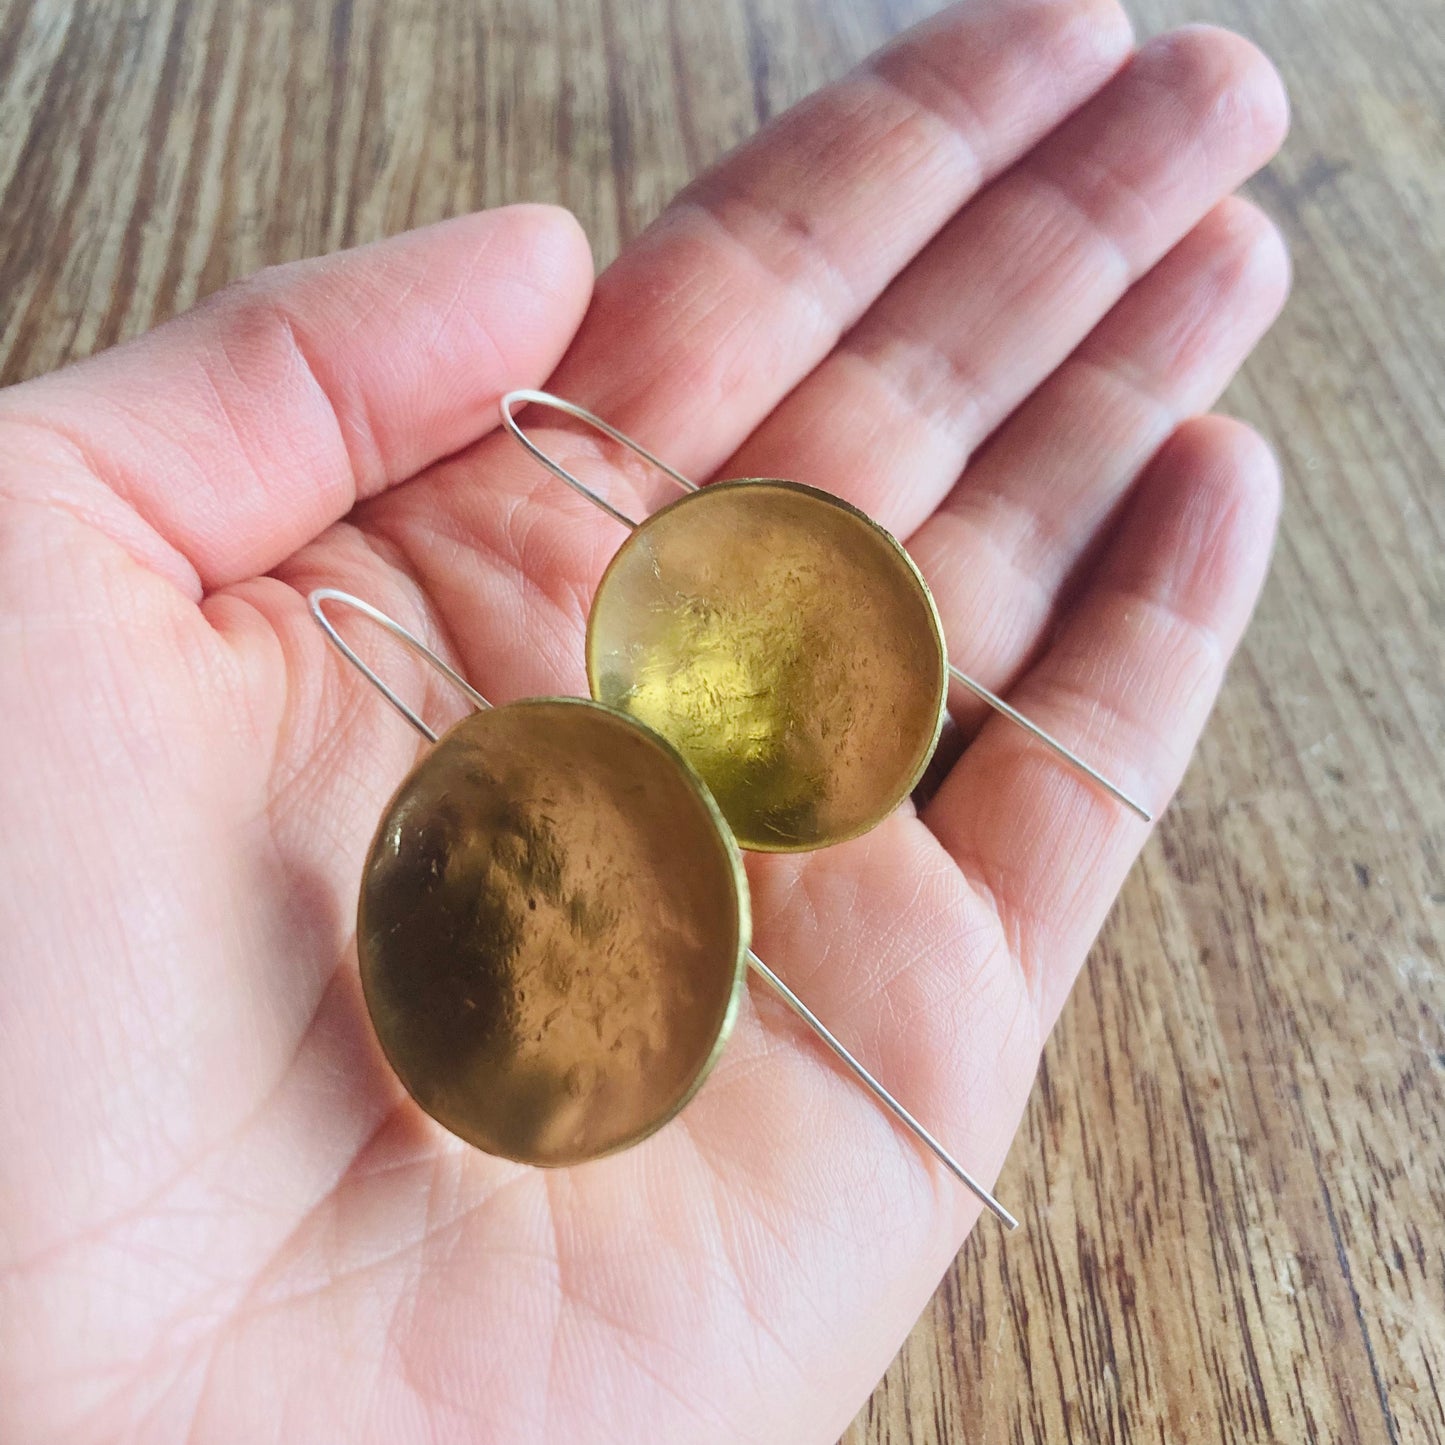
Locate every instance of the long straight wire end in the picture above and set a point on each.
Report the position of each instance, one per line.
(1050, 742)
(880, 1093)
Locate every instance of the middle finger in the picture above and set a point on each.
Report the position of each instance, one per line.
(1015, 281)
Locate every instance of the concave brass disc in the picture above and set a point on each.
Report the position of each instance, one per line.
(553, 931)
(787, 646)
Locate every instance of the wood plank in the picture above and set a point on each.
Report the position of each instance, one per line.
(1231, 1172)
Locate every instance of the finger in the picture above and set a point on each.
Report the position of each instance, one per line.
(752, 274)
(1014, 282)
(1038, 495)
(238, 431)
(1132, 675)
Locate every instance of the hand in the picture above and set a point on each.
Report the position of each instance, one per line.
(982, 288)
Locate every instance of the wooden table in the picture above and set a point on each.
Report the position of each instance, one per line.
(1233, 1159)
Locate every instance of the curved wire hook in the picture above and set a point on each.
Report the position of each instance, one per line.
(333, 594)
(525, 395)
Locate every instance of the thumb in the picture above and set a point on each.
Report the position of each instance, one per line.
(238, 431)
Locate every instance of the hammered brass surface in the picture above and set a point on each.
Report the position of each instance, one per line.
(787, 646)
(552, 931)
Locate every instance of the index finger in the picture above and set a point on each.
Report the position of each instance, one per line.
(748, 279)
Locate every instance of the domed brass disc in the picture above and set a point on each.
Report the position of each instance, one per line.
(787, 646)
(553, 931)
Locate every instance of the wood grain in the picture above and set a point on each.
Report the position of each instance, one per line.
(1232, 1170)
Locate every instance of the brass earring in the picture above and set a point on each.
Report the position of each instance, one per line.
(782, 641)
(553, 924)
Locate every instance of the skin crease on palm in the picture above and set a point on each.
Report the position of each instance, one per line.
(985, 288)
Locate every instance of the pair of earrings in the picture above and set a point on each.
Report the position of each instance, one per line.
(553, 926)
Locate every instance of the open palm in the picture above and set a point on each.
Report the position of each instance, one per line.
(979, 288)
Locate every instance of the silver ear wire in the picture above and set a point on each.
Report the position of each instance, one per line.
(881, 1094)
(407, 639)
(524, 396)
(1050, 742)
